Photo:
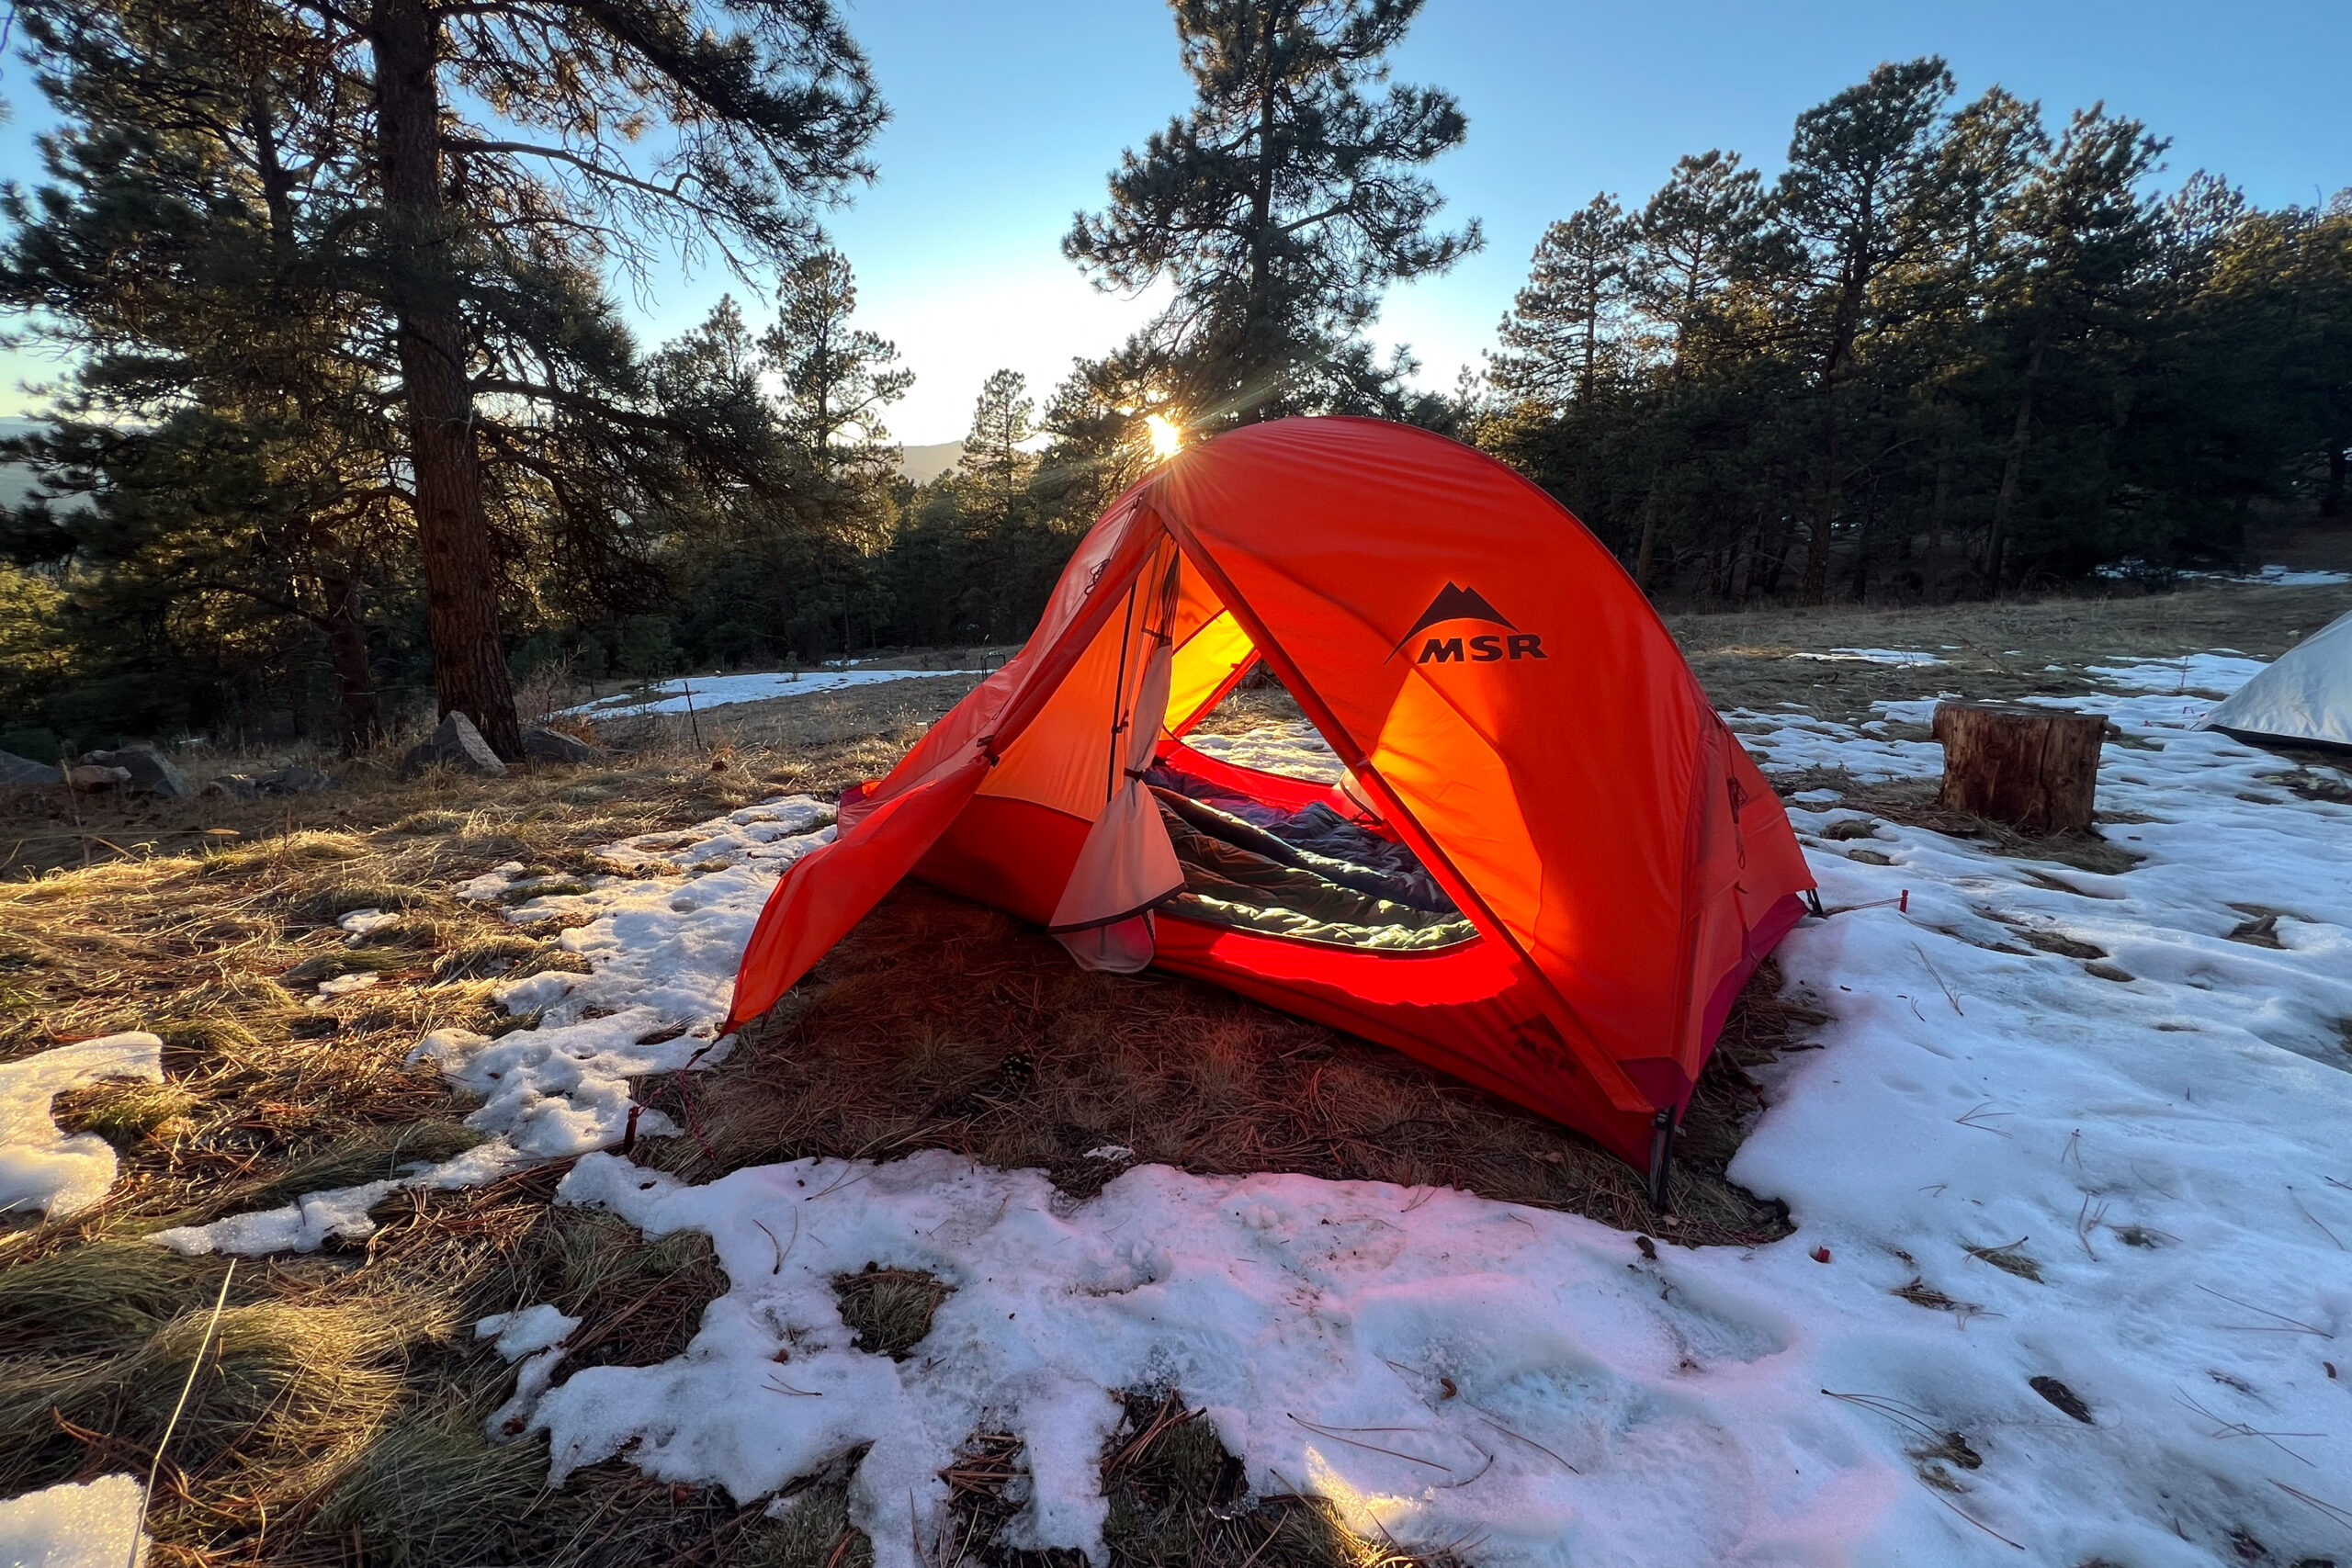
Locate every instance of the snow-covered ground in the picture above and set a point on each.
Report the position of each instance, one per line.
(2070, 1281)
(2067, 1283)
(705, 692)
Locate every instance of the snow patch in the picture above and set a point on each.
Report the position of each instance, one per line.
(93, 1524)
(663, 952)
(41, 1168)
(1872, 656)
(1295, 750)
(2216, 673)
(520, 1334)
(707, 692)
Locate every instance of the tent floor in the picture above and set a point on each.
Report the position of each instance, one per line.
(938, 1023)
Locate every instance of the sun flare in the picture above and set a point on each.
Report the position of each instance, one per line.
(1167, 435)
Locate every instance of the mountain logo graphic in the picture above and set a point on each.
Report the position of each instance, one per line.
(1455, 603)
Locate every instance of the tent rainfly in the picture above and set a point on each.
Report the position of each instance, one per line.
(2305, 698)
(1550, 867)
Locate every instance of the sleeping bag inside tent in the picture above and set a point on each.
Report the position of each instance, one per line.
(1549, 869)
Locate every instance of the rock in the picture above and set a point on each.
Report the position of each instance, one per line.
(88, 776)
(555, 746)
(236, 786)
(293, 779)
(23, 772)
(151, 771)
(457, 744)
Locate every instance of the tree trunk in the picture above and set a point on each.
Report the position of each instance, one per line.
(453, 530)
(1642, 552)
(347, 643)
(1938, 508)
(2013, 470)
(2035, 768)
(2339, 461)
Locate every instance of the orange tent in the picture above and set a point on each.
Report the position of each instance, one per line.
(1510, 715)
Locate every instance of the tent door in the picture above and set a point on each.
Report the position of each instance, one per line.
(1127, 864)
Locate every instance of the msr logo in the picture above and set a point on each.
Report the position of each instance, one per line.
(1454, 602)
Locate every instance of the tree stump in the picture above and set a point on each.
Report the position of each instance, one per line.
(2035, 768)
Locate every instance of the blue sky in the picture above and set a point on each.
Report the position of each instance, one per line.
(1009, 113)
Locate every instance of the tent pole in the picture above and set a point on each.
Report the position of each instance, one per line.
(1661, 1158)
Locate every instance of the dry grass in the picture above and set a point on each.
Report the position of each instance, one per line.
(339, 1415)
(937, 1023)
(1746, 659)
(1174, 1494)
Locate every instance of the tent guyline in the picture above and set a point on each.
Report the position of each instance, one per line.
(1549, 869)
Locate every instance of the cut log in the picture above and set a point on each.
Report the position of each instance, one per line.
(2035, 768)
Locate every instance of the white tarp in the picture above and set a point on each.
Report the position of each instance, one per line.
(2306, 695)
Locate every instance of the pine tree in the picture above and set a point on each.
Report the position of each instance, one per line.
(1003, 420)
(1568, 328)
(837, 379)
(491, 149)
(1281, 205)
(1859, 200)
(2085, 236)
(1702, 232)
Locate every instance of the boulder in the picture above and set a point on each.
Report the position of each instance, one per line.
(457, 744)
(236, 786)
(555, 746)
(293, 779)
(151, 771)
(23, 772)
(89, 776)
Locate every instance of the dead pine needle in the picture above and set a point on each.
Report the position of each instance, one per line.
(1894, 1409)
(1969, 1119)
(1939, 979)
(2341, 1516)
(2293, 1326)
(1338, 1436)
(1980, 1524)
(2226, 1427)
(2088, 1221)
(195, 1365)
(1531, 1443)
(2314, 1220)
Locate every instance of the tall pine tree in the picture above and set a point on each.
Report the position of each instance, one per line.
(1281, 206)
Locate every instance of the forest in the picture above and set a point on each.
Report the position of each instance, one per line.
(358, 431)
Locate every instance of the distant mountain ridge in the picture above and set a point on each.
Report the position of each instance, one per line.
(15, 479)
(919, 464)
(924, 464)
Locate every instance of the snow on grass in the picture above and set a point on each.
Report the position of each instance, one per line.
(91, 1524)
(1872, 656)
(2282, 577)
(661, 950)
(2069, 1174)
(1294, 750)
(2080, 1225)
(2266, 576)
(704, 693)
(2216, 673)
(41, 1168)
